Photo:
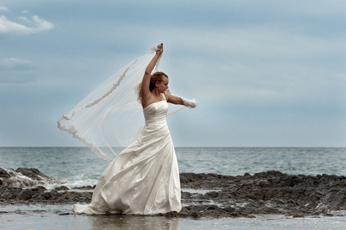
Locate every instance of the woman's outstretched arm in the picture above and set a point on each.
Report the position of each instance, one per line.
(146, 78)
(181, 101)
(174, 99)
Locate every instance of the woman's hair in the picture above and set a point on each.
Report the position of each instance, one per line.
(155, 77)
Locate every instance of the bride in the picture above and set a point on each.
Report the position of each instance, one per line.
(143, 178)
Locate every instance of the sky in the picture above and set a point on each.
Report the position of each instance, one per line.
(264, 73)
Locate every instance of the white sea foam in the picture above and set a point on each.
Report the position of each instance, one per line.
(18, 180)
(80, 180)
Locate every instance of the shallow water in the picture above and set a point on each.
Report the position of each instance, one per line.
(48, 217)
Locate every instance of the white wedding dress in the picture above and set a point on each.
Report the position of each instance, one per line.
(144, 178)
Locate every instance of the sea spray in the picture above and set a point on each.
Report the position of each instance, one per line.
(28, 178)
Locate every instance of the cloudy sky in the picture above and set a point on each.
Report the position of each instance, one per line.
(264, 73)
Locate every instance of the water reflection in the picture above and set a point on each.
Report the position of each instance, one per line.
(134, 222)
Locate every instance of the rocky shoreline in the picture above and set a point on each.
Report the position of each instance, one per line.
(206, 195)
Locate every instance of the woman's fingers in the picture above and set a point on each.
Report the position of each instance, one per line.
(160, 47)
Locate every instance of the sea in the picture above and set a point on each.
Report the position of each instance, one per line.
(79, 166)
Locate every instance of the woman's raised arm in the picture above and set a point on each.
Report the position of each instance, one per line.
(146, 78)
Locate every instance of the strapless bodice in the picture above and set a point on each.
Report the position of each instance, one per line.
(155, 113)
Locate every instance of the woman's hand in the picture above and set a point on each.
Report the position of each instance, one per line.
(160, 47)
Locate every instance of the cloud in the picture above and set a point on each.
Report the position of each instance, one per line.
(34, 25)
(3, 8)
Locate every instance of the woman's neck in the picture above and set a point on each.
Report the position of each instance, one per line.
(155, 93)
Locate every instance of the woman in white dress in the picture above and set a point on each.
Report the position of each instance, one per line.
(144, 178)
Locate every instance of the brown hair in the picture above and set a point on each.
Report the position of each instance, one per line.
(155, 77)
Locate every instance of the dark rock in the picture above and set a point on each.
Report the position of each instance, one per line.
(327, 214)
(2, 189)
(284, 191)
(64, 214)
(25, 194)
(212, 194)
(172, 214)
(185, 195)
(32, 173)
(61, 188)
(196, 215)
(39, 189)
(85, 187)
(263, 184)
(4, 173)
(270, 192)
(228, 209)
(183, 180)
(10, 193)
(257, 194)
(297, 214)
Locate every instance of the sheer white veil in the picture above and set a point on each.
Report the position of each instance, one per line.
(110, 116)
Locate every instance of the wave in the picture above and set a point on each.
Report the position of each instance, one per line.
(28, 178)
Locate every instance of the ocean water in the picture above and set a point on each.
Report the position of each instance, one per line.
(79, 166)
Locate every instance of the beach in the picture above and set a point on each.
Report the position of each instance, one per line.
(206, 199)
(261, 200)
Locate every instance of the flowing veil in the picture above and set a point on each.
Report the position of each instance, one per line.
(110, 116)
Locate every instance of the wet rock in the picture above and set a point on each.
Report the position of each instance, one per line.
(2, 189)
(213, 194)
(85, 187)
(25, 178)
(183, 180)
(297, 214)
(32, 173)
(64, 214)
(25, 194)
(39, 189)
(281, 192)
(228, 209)
(270, 192)
(61, 188)
(10, 193)
(4, 173)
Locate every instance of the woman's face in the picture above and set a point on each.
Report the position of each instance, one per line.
(163, 85)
